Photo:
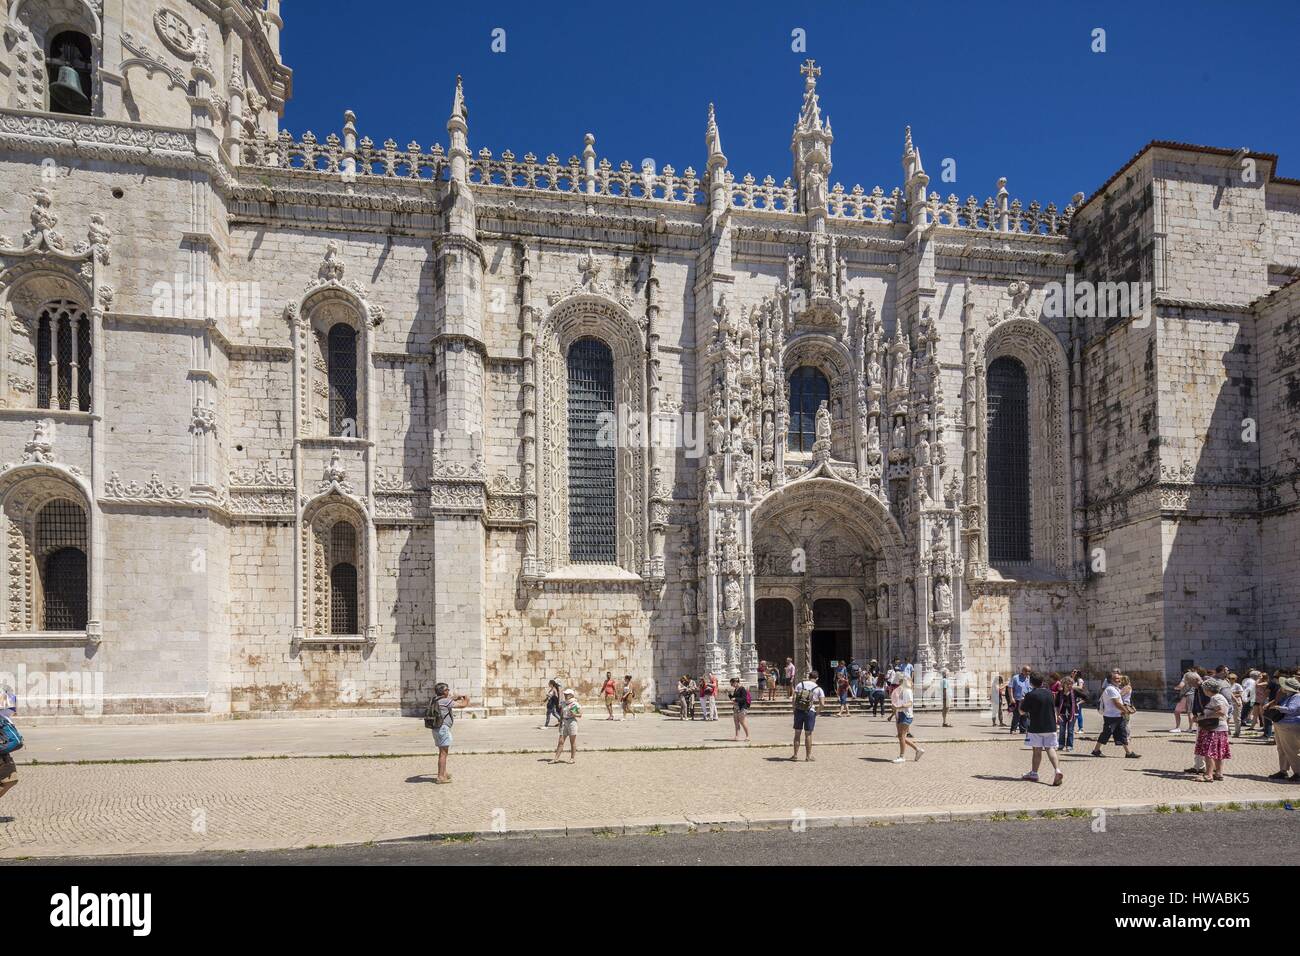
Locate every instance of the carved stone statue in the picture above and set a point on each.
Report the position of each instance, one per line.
(923, 452)
(732, 595)
(823, 423)
(875, 374)
(943, 597)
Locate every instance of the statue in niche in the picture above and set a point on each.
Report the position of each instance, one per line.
(900, 373)
(943, 597)
(875, 374)
(923, 452)
(732, 593)
(823, 423)
(900, 435)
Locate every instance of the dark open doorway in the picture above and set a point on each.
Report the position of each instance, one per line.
(832, 639)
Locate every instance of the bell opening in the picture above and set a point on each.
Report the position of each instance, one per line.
(69, 64)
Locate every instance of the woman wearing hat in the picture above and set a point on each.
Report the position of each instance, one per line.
(1285, 715)
(1212, 737)
(570, 711)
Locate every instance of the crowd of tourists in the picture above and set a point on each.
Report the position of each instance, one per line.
(1048, 709)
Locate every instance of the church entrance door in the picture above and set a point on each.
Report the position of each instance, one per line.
(832, 639)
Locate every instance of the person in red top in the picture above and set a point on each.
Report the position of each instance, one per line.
(608, 691)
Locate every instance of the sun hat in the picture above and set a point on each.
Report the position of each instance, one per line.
(1290, 684)
(568, 692)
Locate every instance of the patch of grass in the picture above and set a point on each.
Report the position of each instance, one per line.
(457, 838)
(1196, 808)
(1023, 815)
(656, 831)
(605, 833)
(1078, 812)
(880, 823)
(1180, 809)
(1164, 808)
(1231, 807)
(999, 816)
(1048, 814)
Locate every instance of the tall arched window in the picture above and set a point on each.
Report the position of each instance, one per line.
(343, 380)
(343, 578)
(592, 509)
(808, 389)
(69, 66)
(63, 358)
(1008, 461)
(61, 563)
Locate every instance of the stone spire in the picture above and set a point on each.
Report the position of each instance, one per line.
(915, 181)
(811, 148)
(458, 130)
(717, 166)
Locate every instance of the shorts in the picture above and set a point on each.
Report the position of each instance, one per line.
(903, 718)
(442, 736)
(1045, 741)
(1113, 726)
(805, 720)
(568, 727)
(762, 681)
(783, 681)
(8, 769)
(844, 697)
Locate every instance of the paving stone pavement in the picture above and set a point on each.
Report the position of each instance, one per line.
(327, 736)
(172, 806)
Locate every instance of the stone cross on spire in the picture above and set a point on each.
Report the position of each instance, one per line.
(811, 146)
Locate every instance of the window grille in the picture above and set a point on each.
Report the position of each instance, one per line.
(343, 380)
(43, 361)
(1008, 461)
(592, 511)
(343, 579)
(63, 331)
(61, 556)
(808, 389)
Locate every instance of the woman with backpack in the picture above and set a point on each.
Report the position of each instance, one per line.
(740, 702)
(438, 717)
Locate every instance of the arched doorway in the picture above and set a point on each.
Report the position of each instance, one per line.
(823, 549)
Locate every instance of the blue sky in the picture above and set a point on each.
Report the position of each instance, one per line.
(1008, 89)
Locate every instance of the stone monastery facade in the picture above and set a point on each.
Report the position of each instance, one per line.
(303, 424)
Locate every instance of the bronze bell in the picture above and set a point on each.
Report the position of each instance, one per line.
(66, 94)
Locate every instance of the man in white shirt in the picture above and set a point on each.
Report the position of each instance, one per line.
(1247, 700)
(808, 695)
(1112, 721)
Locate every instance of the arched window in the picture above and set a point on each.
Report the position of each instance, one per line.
(63, 358)
(61, 562)
(69, 65)
(343, 579)
(592, 510)
(343, 380)
(808, 389)
(1008, 461)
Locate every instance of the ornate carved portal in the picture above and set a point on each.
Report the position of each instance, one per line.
(818, 548)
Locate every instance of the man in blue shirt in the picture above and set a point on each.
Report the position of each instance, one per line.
(1020, 686)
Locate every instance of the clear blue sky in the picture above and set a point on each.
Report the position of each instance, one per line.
(1004, 89)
